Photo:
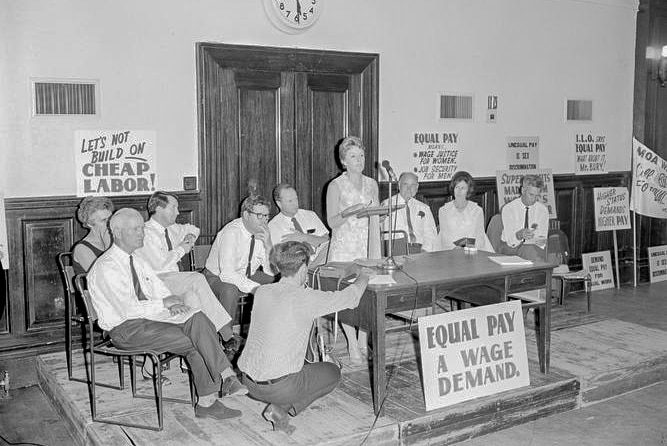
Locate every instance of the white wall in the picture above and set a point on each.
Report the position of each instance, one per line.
(532, 53)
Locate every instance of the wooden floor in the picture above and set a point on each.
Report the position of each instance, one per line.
(594, 357)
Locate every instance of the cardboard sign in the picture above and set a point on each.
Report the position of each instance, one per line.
(590, 154)
(612, 208)
(116, 162)
(657, 261)
(508, 184)
(598, 265)
(649, 182)
(523, 152)
(472, 353)
(435, 155)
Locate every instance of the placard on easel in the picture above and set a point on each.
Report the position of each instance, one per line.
(657, 261)
(612, 212)
(598, 265)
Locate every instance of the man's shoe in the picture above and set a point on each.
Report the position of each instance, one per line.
(217, 411)
(231, 386)
(278, 418)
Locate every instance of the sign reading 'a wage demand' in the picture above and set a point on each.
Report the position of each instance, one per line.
(472, 353)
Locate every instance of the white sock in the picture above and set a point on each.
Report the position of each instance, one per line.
(207, 400)
(227, 373)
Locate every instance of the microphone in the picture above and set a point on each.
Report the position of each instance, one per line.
(390, 171)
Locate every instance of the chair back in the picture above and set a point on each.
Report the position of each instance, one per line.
(494, 231)
(199, 253)
(558, 247)
(65, 266)
(400, 243)
(81, 284)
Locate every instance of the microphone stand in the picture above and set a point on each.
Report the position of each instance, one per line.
(390, 264)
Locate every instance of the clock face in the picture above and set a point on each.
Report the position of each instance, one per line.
(293, 15)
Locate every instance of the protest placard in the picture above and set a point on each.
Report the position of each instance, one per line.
(435, 155)
(612, 208)
(523, 152)
(657, 260)
(590, 153)
(115, 162)
(472, 353)
(649, 182)
(508, 184)
(598, 265)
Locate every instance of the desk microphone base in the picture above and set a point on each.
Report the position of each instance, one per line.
(390, 265)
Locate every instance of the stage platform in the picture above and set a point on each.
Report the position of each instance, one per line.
(592, 358)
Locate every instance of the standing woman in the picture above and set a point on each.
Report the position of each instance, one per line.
(93, 213)
(351, 237)
(461, 217)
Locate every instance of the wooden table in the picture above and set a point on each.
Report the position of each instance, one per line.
(425, 278)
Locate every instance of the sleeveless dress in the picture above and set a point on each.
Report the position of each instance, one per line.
(349, 241)
(78, 269)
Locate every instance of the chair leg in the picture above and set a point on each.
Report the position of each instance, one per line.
(242, 304)
(564, 288)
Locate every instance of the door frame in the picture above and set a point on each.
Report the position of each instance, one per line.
(211, 57)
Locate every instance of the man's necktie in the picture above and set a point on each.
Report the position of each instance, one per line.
(135, 281)
(252, 248)
(525, 220)
(166, 236)
(411, 231)
(297, 226)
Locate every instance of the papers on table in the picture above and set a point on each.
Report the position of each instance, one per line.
(382, 279)
(510, 260)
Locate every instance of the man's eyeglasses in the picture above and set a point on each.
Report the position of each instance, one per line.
(260, 215)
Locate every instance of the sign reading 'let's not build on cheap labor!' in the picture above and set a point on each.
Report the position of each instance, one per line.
(115, 162)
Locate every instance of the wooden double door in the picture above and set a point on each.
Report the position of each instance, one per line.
(271, 115)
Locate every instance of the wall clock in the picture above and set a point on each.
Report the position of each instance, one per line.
(293, 16)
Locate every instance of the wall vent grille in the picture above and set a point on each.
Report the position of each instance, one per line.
(456, 107)
(64, 98)
(579, 110)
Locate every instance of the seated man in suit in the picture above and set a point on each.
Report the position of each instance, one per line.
(298, 225)
(139, 312)
(416, 218)
(239, 260)
(165, 243)
(526, 222)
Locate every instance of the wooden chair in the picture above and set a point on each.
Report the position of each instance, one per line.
(74, 314)
(107, 348)
(558, 251)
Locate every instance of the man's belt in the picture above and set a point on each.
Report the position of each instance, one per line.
(268, 381)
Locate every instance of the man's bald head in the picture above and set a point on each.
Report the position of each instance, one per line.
(408, 184)
(127, 226)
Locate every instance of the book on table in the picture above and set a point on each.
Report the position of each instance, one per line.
(510, 260)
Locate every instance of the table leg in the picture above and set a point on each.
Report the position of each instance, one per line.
(379, 354)
(547, 324)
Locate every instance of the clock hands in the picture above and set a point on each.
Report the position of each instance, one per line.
(298, 11)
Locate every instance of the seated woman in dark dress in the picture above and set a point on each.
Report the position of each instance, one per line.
(93, 213)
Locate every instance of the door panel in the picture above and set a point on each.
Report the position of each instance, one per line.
(276, 115)
(322, 120)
